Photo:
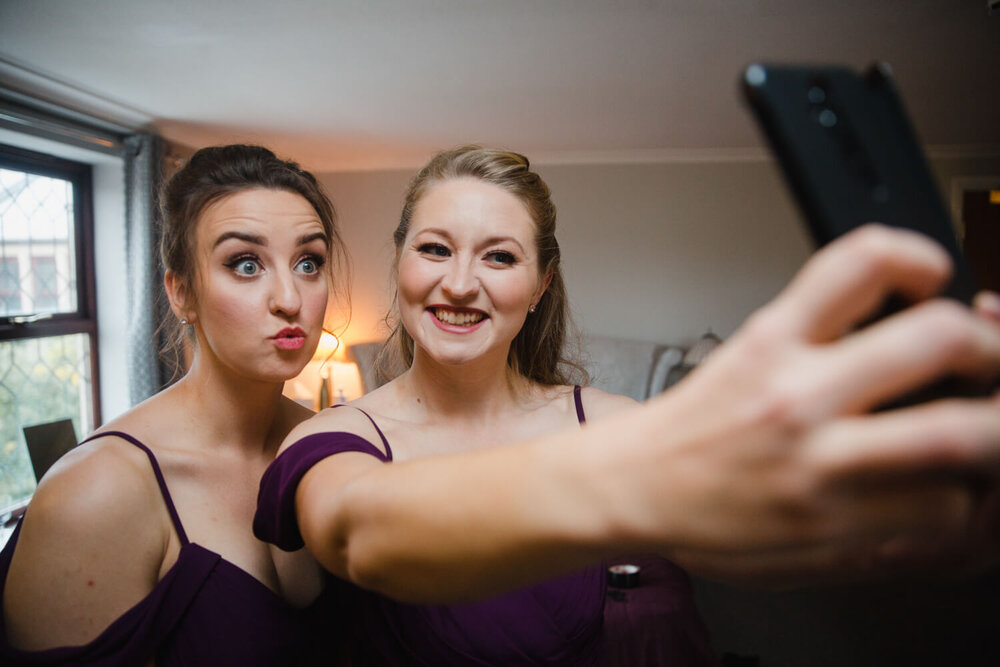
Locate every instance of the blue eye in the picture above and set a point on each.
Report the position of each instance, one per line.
(311, 265)
(244, 266)
(434, 249)
(501, 257)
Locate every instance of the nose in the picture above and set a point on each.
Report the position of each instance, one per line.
(460, 280)
(285, 297)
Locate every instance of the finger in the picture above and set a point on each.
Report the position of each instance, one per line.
(987, 304)
(907, 351)
(846, 281)
(945, 436)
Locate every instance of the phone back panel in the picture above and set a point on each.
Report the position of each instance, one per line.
(850, 155)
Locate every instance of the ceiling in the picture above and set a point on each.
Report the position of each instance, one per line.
(367, 84)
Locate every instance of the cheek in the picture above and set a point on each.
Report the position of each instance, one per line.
(413, 283)
(229, 307)
(316, 296)
(512, 292)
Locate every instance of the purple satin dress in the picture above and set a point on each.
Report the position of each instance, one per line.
(559, 621)
(204, 611)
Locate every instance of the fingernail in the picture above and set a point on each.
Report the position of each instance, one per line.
(988, 303)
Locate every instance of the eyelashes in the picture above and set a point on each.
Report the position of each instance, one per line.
(316, 261)
(244, 265)
(434, 249)
(502, 257)
(248, 265)
(497, 257)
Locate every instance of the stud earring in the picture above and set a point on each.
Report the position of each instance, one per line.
(184, 322)
(531, 308)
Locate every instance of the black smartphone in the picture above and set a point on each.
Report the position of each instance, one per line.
(850, 155)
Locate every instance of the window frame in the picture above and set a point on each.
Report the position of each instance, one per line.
(84, 319)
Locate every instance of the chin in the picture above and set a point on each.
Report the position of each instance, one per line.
(457, 355)
(274, 374)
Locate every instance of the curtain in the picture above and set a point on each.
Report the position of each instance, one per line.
(146, 306)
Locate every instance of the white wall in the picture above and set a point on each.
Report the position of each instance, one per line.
(664, 252)
(656, 252)
(112, 288)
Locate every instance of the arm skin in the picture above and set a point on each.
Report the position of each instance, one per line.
(91, 546)
(762, 466)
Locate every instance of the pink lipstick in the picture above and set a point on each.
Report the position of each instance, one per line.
(457, 320)
(289, 338)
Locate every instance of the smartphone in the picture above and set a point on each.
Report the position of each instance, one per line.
(850, 155)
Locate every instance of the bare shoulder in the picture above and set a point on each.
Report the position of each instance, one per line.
(107, 478)
(598, 403)
(91, 545)
(339, 419)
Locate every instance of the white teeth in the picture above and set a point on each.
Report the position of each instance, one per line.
(458, 319)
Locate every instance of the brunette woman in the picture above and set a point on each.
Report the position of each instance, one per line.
(137, 546)
(764, 464)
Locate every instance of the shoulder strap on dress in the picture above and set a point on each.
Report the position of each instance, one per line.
(159, 478)
(582, 418)
(388, 449)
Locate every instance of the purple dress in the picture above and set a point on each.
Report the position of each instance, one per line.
(204, 611)
(559, 621)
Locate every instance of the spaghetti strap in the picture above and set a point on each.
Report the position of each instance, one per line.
(582, 418)
(159, 478)
(388, 449)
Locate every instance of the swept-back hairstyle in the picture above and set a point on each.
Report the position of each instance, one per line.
(216, 172)
(537, 350)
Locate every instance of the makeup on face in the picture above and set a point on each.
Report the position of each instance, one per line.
(467, 270)
(290, 338)
(262, 291)
(457, 320)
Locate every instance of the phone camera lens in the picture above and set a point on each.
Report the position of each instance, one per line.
(817, 95)
(827, 118)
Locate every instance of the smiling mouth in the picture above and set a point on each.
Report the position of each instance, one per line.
(463, 318)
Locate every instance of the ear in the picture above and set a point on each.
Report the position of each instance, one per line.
(179, 296)
(543, 285)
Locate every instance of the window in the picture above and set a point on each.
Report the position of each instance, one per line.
(10, 286)
(48, 325)
(46, 295)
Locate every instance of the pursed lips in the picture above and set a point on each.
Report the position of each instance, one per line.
(289, 338)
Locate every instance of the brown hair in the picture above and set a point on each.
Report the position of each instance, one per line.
(537, 350)
(216, 172)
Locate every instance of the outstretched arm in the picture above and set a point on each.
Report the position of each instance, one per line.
(766, 464)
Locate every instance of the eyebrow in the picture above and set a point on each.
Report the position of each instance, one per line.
(500, 239)
(315, 236)
(241, 236)
(260, 240)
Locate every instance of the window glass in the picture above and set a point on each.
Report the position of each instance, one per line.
(44, 379)
(47, 319)
(37, 231)
(10, 286)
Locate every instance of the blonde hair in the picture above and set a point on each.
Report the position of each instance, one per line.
(537, 350)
